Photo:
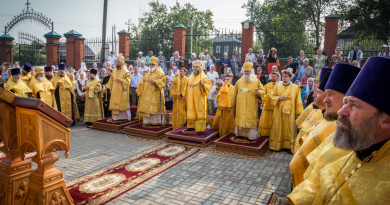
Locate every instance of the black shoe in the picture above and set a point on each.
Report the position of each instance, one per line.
(88, 123)
(190, 129)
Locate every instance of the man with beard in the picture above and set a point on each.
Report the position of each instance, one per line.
(268, 109)
(106, 94)
(363, 128)
(93, 99)
(119, 85)
(198, 88)
(245, 96)
(64, 94)
(152, 105)
(42, 88)
(224, 119)
(49, 73)
(178, 92)
(316, 113)
(286, 97)
(26, 73)
(16, 85)
(340, 79)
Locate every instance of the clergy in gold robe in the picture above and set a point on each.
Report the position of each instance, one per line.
(196, 98)
(93, 110)
(119, 85)
(15, 84)
(245, 96)
(224, 119)
(42, 88)
(49, 73)
(152, 105)
(178, 92)
(304, 115)
(26, 73)
(286, 98)
(268, 109)
(64, 94)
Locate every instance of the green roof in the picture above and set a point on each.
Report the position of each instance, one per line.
(72, 33)
(332, 16)
(123, 31)
(80, 37)
(247, 21)
(7, 37)
(52, 34)
(179, 26)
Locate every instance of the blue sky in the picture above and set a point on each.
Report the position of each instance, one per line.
(85, 16)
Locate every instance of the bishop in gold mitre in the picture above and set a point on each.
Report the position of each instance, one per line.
(178, 92)
(64, 94)
(246, 95)
(268, 109)
(224, 119)
(26, 73)
(152, 105)
(196, 98)
(42, 88)
(119, 85)
(93, 110)
(16, 85)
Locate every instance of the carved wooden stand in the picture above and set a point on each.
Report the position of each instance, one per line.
(14, 172)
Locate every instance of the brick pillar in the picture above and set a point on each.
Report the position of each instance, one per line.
(179, 39)
(6, 46)
(246, 38)
(71, 47)
(124, 44)
(79, 51)
(52, 44)
(331, 27)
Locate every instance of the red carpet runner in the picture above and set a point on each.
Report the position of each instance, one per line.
(109, 182)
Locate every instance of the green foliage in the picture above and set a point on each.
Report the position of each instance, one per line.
(366, 19)
(34, 53)
(155, 29)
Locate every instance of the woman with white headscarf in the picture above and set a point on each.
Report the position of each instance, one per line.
(307, 90)
(83, 67)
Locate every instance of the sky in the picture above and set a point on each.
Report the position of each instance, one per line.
(86, 16)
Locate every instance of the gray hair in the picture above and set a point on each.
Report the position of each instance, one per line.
(140, 53)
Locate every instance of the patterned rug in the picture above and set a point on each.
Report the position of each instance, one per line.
(277, 199)
(109, 182)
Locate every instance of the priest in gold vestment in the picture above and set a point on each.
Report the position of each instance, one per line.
(178, 92)
(335, 83)
(224, 119)
(363, 127)
(49, 73)
(15, 84)
(198, 88)
(288, 106)
(152, 104)
(64, 94)
(119, 85)
(268, 109)
(245, 96)
(93, 110)
(42, 88)
(26, 73)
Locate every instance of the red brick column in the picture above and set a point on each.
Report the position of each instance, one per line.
(6, 47)
(247, 38)
(52, 44)
(331, 27)
(78, 51)
(124, 44)
(71, 48)
(179, 39)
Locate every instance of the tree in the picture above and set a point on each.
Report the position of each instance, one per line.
(155, 29)
(366, 18)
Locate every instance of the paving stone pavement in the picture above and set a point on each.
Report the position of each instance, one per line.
(200, 179)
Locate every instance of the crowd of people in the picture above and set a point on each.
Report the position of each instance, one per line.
(333, 116)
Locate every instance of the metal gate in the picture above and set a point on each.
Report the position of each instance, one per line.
(34, 53)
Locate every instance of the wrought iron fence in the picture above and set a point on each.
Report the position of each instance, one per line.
(369, 45)
(151, 43)
(93, 48)
(288, 43)
(34, 53)
(219, 43)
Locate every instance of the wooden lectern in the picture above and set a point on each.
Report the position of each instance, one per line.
(42, 129)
